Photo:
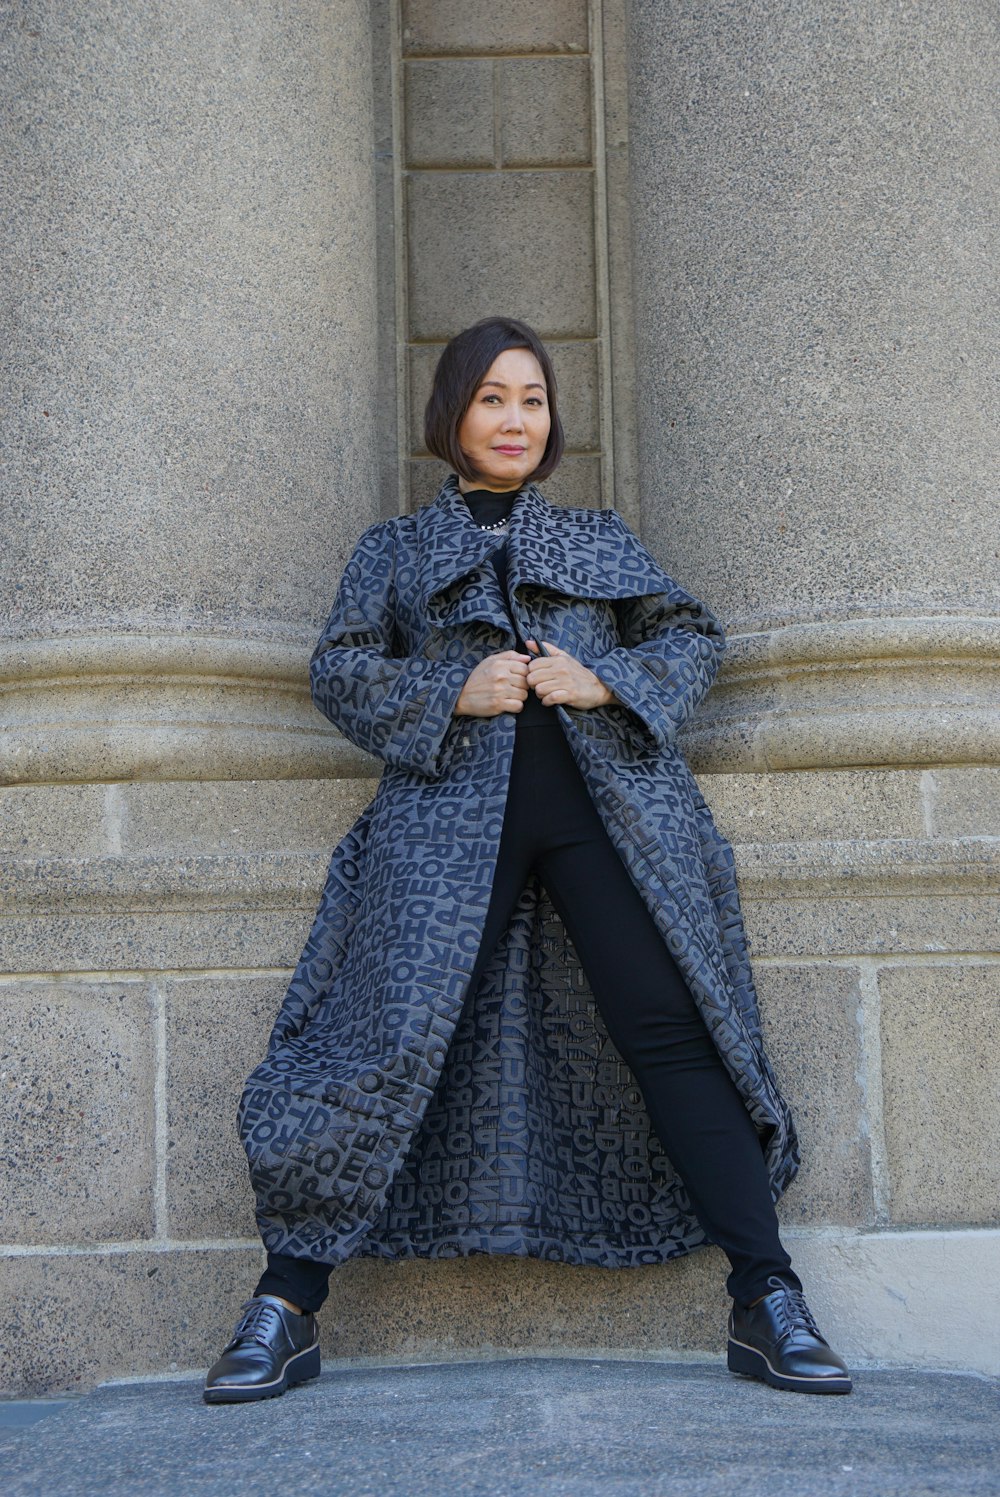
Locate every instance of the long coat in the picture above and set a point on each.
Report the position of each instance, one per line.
(397, 1113)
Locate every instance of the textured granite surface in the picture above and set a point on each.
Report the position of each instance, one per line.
(814, 201)
(516, 1428)
(189, 242)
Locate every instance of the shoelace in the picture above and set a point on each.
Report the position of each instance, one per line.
(793, 1314)
(256, 1321)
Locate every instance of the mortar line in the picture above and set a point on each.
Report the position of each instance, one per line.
(131, 1246)
(404, 445)
(602, 259)
(928, 800)
(478, 56)
(882, 959)
(160, 1207)
(824, 1232)
(488, 171)
(497, 113)
(870, 1014)
(113, 818)
(146, 975)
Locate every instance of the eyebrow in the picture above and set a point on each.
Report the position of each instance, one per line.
(501, 386)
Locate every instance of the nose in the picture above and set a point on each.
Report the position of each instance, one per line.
(512, 418)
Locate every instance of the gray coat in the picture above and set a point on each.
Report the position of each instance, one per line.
(398, 1114)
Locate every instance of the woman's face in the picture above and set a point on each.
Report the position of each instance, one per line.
(504, 431)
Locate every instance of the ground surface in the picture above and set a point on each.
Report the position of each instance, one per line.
(517, 1427)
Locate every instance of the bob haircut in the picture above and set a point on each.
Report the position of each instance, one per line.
(461, 369)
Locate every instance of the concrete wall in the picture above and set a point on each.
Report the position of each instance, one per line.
(227, 247)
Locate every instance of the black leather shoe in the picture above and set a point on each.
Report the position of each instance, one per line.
(778, 1340)
(271, 1349)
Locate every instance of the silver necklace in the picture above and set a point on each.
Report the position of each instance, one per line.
(497, 524)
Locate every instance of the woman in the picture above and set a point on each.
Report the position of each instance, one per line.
(524, 1020)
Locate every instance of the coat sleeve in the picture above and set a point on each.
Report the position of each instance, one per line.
(396, 707)
(670, 653)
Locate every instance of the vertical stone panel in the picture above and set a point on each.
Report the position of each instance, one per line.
(501, 189)
(523, 239)
(545, 111)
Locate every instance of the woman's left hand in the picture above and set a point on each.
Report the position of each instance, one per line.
(559, 679)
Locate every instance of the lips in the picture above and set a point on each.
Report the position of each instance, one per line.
(511, 451)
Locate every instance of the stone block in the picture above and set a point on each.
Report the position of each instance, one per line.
(217, 1031)
(172, 1309)
(964, 802)
(449, 112)
(223, 816)
(76, 1100)
(576, 481)
(545, 111)
(421, 1307)
(536, 231)
(941, 1083)
(577, 378)
(41, 820)
(578, 381)
(880, 925)
(795, 805)
(812, 1032)
(153, 939)
(455, 26)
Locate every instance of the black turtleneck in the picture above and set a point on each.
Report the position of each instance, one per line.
(486, 508)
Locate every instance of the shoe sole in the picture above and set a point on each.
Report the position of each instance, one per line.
(298, 1369)
(752, 1363)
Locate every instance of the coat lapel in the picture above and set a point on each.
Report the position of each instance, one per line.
(582, 553)
(451, 547)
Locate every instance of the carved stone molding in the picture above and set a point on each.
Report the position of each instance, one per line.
(895, 692)
(164, 707)
(899, 692)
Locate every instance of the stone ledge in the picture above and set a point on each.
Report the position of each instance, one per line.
(894, 693)
(164, 706)
(906, 1299)
(290, 880)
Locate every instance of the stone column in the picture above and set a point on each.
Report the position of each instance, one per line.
(188, 430)
(815, 220)
(814, 204)
(190, 352)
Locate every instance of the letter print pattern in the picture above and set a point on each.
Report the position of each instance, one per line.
(398, 1114)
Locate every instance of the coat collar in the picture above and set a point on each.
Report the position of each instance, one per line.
(581, 552)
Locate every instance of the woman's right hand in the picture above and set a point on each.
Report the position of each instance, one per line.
(497, 684)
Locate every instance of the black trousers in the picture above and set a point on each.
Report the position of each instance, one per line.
(552, 825)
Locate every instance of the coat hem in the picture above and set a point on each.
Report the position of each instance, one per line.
(515, 1242)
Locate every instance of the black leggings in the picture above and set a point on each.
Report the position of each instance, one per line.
(551, 825)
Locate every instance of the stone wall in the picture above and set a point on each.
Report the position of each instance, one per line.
(228, 246)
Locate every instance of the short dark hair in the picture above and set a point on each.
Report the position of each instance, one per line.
(461, 369)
